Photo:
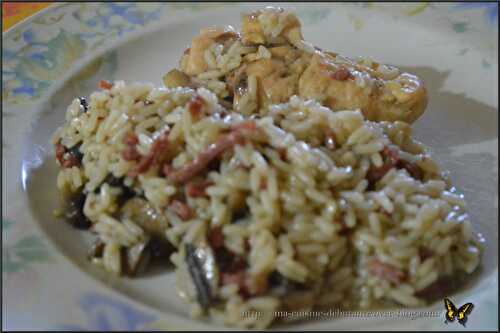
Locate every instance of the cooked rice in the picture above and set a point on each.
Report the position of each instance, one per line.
(293, 199)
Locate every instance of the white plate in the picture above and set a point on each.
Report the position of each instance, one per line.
(65, 50)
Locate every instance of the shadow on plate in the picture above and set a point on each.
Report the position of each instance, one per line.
(468, 120)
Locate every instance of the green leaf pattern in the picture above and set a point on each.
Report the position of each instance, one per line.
(23, 253)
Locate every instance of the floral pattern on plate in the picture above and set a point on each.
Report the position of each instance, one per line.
(103, 313)
(40, 53)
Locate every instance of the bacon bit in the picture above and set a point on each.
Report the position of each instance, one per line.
(263, 184)
(240, 279)
(167, 169)
(228, 261)
(248, 125)
(160, 147)
(247, 244)
(65, 158)
(60, 151)
(181, 209)
(375, 174)
(386, 271)
(238, 264)
(131, 139)
(103, 84)
(338, 221)
(237, 278)
(323, 66)
(424, 253)
(131, 154)
(391, 157)
(341, 74)
(197, 190)
(413, 169)
(195, 106)
(245, 286)
(71, 161)
(186, 51)
(283, 153)
(386, 214)
(155, 155)
(144, 164)
(216, 238)
(191, 169)
(344, 230)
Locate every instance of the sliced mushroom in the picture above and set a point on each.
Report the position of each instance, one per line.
(281, 285)
(203, 271)
(138, 258)
(73, 212)
(160, 248)
(237, 202)
(96, 250)
(142, 212)
(126, 192)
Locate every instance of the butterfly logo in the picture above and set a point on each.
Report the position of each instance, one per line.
(461, 314)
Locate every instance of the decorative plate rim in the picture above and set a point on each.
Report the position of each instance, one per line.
(76, 66)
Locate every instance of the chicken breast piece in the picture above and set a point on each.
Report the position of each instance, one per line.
(270, 61)
(382, 92)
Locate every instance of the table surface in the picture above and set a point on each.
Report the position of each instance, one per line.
(14, 12)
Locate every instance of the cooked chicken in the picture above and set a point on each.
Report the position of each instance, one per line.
(270, 61)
